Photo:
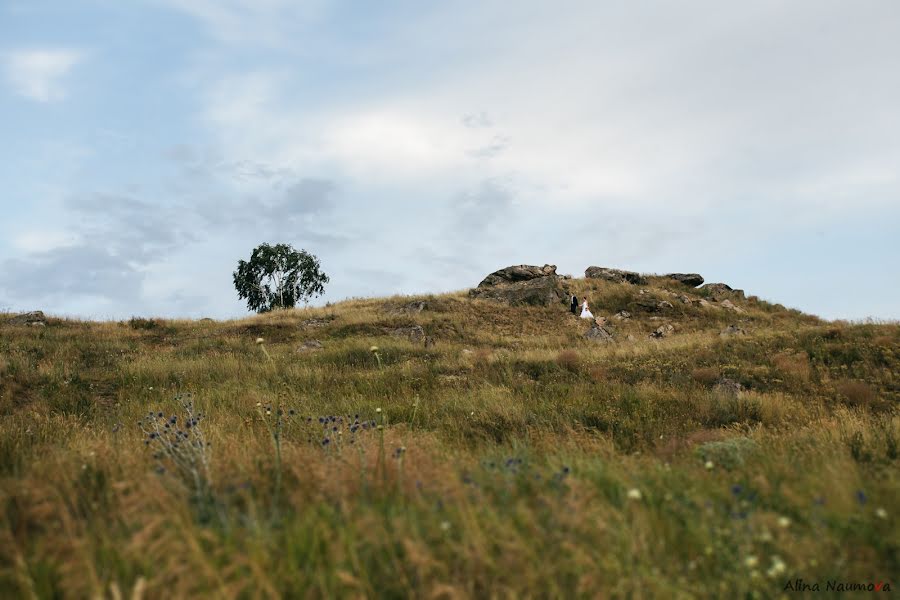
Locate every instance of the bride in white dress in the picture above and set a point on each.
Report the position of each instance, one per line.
(585, 311)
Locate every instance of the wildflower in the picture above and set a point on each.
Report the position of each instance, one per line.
(373, 349)
(709, 465)
(784, 522)
(861, 497)
(445, 525)
(881, 513)
(751, 561)
(260, 341)
(778, 567)
(634, 494)
(378, 410)
(736, 489)
(258, 404)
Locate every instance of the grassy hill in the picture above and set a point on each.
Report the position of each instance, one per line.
(508, 456)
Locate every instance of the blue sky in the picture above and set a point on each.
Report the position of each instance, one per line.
(414, 147)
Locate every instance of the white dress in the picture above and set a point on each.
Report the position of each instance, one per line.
(586, 312)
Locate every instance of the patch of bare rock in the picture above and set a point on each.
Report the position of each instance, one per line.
(522, 285)
(691, 279)
(34, 318)
(615, 275)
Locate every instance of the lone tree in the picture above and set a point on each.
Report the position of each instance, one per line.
(278, 277)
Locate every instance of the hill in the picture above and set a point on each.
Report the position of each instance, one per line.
(450, 447)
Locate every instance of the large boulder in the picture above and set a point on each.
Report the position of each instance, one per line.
(691, 279)
(539, 291)
(517, 273)
(616, 275)
(599, 333)
(34, 319)
(718, 291)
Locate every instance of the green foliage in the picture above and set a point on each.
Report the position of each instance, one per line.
(278, 277)
(730, 454)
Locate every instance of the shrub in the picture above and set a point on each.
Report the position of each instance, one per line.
(705, 375)
(569, 360)
(729, 454)
(856, 393)
(793, 364)
(145, 324)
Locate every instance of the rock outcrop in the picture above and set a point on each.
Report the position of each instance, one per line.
(718, 291)
(731, 306)
(663, 331)
(616, 275)
(599, 333)
(522, 285)
(413, 333)
(517, 273)
(32, 319)
(732, 330)
(691, 279)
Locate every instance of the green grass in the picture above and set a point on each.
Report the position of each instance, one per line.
(536, 463)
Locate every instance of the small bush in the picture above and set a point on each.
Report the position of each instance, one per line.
(856, 393)
(569, 360)
(729, 454)
(144, 324)
(793, 364)
(705, 375)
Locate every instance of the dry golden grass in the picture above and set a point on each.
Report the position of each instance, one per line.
(536, 462)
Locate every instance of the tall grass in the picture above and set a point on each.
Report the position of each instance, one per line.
(514, 458)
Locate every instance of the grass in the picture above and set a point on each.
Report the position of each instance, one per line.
(513, 458)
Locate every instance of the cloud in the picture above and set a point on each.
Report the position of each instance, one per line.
(40, 74)
(266, 22)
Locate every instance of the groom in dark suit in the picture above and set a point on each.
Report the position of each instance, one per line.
(574, 307)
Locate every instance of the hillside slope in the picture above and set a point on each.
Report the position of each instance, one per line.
(447, 447)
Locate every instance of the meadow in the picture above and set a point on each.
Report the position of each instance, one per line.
(509, 457)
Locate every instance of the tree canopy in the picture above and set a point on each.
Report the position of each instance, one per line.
(278, 276)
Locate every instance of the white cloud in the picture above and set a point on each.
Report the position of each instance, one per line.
(39, 74)
(268, 22)
(43, 240)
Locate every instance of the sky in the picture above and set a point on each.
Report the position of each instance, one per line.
(146, 146)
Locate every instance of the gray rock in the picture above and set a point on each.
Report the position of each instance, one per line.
(717, 291)
(616, 275)
(539, 291)
(663, 304)
(622, 315)
(691, 279)
(598, 333)
(728, 386)
(732, 330)
(35, 319)
(310, 346)
(516, 274)
(731, 306)
(413, 333)
(663, 331)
